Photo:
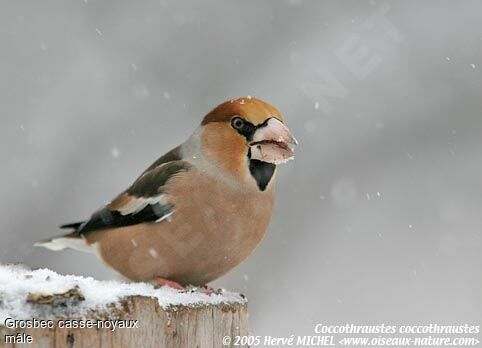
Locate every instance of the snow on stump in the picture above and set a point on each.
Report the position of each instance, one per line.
(44, 309)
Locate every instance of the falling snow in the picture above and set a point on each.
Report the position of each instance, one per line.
(153, 253)
(115, 152)
(141, 92)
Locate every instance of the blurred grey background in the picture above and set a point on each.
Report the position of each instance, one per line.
(379, 217)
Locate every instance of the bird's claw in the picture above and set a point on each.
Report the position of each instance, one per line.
(159, 282)
(203, 289)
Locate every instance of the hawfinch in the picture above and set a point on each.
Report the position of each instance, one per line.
(200, 209)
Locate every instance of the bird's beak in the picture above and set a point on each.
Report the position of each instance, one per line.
(273, 143)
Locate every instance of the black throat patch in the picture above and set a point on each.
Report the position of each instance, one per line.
(262, 172)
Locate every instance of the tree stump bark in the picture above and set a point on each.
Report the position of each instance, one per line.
(140, 320)
(178, 326)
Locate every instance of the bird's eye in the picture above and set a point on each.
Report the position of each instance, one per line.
(237, 123)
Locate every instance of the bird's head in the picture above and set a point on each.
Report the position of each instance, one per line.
(242, 132)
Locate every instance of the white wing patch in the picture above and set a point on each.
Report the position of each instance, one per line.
(138, 204)
(165, 217)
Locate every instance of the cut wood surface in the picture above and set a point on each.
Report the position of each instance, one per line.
(37, 310)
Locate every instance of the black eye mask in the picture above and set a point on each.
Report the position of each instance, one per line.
(247, 129)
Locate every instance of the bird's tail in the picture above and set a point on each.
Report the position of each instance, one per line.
(75, 226)
(59, 242)
(72, 240)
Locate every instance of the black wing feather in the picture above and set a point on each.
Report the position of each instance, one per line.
(150, 184)
(105, 218)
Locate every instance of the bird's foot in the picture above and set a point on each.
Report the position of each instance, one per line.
(159, 281)
(203, 289)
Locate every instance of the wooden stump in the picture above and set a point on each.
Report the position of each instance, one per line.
(33, 312)
(177, 326)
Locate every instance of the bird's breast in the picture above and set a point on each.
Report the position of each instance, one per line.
(213, 228)
(221, 225)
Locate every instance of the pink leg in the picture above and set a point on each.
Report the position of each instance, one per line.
(171, 283)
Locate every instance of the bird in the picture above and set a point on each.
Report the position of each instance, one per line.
(200, 209)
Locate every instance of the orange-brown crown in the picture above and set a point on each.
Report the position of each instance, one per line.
(251, 109)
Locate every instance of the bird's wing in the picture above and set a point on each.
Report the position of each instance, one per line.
(145, 201)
